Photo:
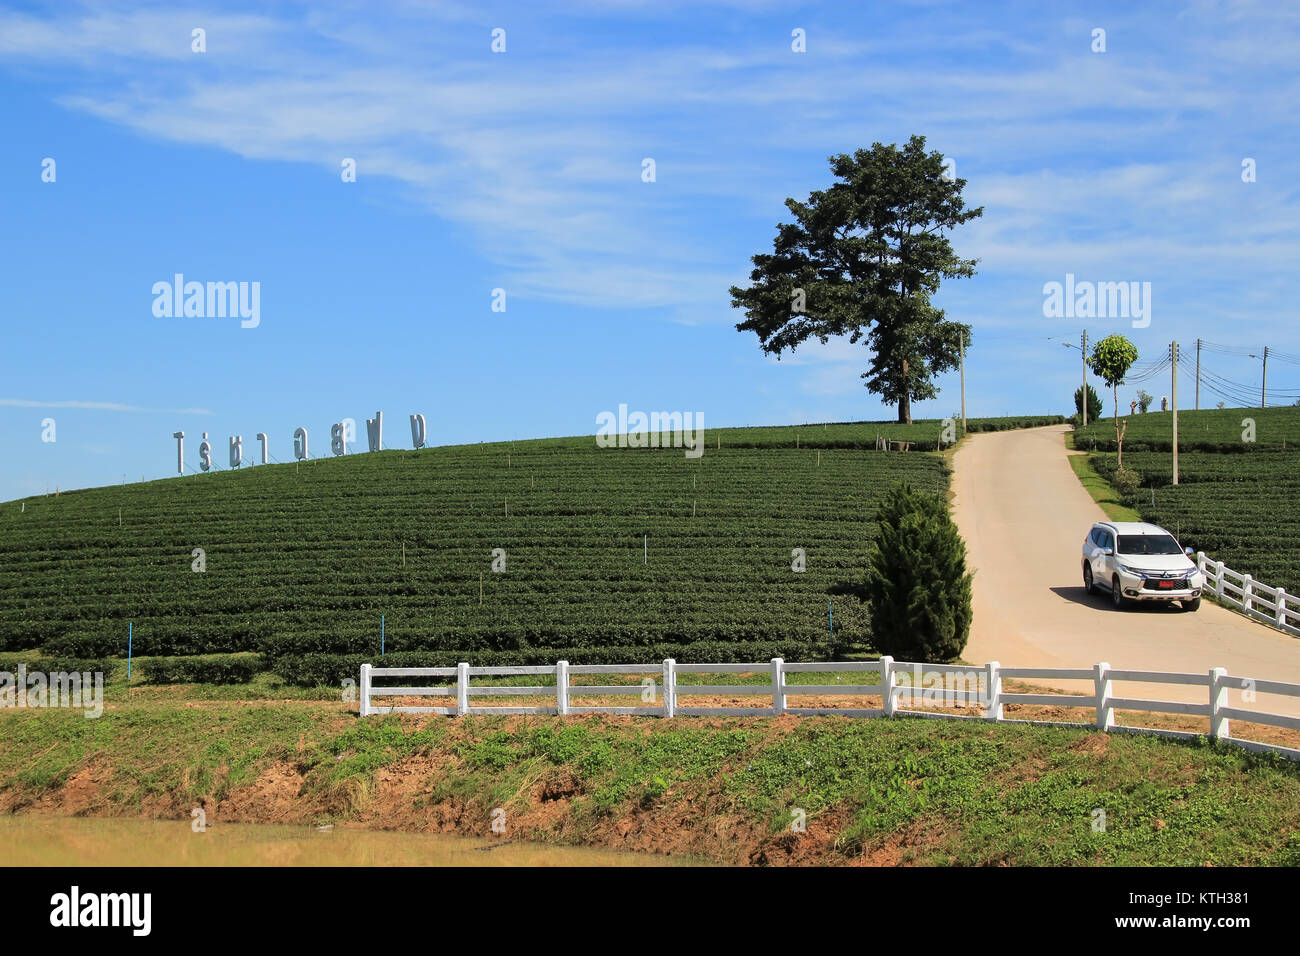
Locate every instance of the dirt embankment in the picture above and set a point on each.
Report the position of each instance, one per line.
(404, 796)
(718, 789)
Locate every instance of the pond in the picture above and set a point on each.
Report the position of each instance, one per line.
(38, 840)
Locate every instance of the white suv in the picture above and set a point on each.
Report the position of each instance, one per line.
(1137, 561)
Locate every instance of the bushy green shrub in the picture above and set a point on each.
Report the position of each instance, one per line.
(1126, 482)
(98, 643)
(1094, 404)
(917, 586)
(208, 669)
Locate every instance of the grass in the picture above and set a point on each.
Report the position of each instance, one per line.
(1101, 490)
(904, 790)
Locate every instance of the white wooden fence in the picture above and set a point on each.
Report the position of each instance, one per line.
(1240, 590)
(958, 686)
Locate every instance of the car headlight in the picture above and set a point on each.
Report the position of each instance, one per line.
(1129, 570)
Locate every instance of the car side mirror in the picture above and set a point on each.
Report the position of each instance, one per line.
(1108, 552)
(1189, 552)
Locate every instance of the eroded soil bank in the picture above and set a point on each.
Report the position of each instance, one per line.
(769, 791)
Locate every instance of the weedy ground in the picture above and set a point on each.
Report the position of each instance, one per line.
(728, 790)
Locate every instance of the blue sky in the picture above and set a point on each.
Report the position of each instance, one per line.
(522, 171)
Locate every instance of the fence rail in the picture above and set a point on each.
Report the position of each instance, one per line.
(901, 683)
(1242, 591)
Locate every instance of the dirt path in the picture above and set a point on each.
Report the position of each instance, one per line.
(1024, 516)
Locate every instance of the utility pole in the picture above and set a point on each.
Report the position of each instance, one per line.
(1083, 395)
(962, 336)
(1264, 380)
(1173, 391)
(1198, 375)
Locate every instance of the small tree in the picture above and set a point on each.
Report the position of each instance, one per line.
(1094, 403)
(1110, 361)
(1144, 400)
(917, 587)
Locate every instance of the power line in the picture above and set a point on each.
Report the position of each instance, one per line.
(1144, 373)
(1246, 395)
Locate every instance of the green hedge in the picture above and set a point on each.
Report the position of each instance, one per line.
(209, 669)
(50, 665)
(85, 644)
(157, 639)
(313, 670)
(504, 643)
(1010, 424)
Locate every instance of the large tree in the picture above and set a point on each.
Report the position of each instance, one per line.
(862, 259)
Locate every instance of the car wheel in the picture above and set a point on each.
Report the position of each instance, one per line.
(1116, 592)
(1088, 586)
(1192, 605)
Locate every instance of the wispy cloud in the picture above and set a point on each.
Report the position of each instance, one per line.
(102, 407)
(1123, 163)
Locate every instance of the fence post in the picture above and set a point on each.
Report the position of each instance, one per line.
(1101, 681)
(1219, 728)
(1218, 579)
(365, 690)
(1280, 610)
(887, 684)
(562, 687)
(462, 689)
(1247, 599)
(778, 687)
(670, 687)
(993, 691)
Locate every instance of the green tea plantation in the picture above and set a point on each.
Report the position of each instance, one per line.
(522, 552)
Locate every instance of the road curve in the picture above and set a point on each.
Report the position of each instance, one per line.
(1024, 516)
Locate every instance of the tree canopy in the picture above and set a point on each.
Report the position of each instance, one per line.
(1110, 361)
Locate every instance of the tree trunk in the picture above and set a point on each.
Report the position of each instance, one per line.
(1119, 438)
(905, 400)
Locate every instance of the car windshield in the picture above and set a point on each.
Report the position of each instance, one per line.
(1148, 544)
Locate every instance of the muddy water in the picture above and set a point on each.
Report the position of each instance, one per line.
(89, 841)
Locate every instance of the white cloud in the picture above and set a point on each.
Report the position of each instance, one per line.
(101, 407)
(1119, 165)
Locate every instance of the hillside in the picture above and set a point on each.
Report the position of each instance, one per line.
(1235, 499)
(1218, 430)
(302, 560)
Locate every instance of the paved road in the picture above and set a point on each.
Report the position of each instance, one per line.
(1024, 516)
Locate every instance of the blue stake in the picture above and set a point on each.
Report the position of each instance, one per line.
(130, 628)
(830, 611)
(381, 635)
